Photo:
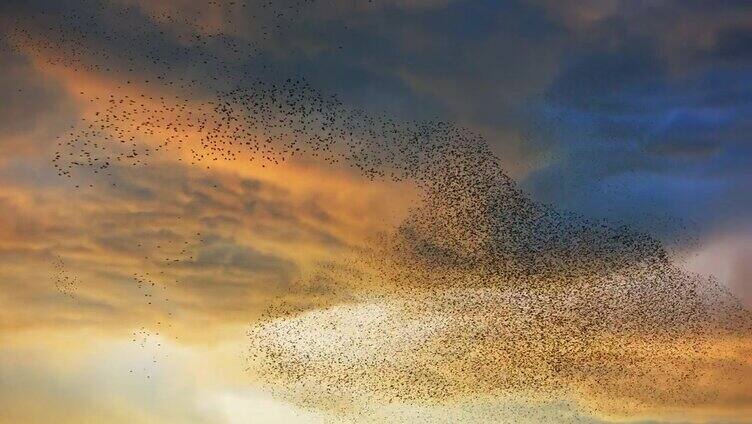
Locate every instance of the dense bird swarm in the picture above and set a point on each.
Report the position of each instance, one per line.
(481, 291)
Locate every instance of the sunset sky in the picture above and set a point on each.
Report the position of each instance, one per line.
(137, 294)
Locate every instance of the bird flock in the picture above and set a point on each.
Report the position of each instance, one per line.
(65, 282)
(480, 292)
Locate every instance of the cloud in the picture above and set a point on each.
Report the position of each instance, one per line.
(225, 254)
(724, 257)
(89, 380)
(173, 245)
(34, 111)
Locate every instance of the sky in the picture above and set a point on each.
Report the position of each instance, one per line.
(375, 211)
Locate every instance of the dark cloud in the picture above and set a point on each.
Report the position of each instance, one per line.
(222, 254)
(34, 111)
